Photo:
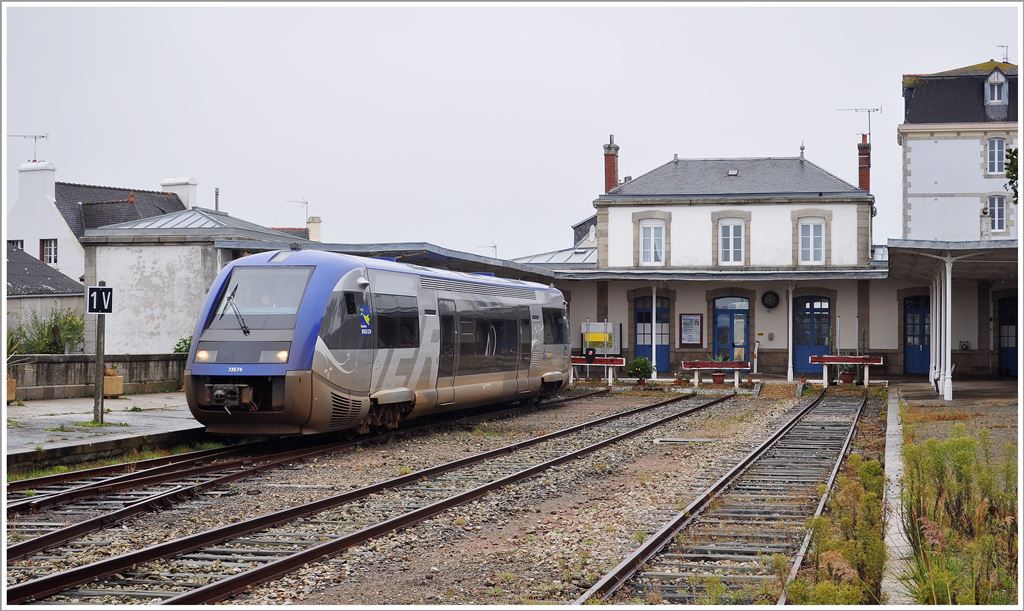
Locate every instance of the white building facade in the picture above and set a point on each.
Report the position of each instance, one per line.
(960, 225)
(49, 218)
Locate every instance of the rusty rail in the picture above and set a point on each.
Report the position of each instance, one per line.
(51, 584)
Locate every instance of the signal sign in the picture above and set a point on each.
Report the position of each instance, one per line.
(100, 300)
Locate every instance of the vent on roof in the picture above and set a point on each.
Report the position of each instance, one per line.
(734, 172)
(440, 284)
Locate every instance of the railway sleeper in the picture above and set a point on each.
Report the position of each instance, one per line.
(724, 577)
(702, 566)
(83, 593)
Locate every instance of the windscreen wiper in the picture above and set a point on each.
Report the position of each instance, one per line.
(230, 301)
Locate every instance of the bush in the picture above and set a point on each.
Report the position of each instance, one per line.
(847, 553)
(62, 327)
(184, 344)
(640, 368)
(959, 513)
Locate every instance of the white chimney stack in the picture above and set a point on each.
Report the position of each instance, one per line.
(313, 226)
(37, 183)
(184, 188)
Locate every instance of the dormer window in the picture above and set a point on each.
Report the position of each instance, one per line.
(995, 88)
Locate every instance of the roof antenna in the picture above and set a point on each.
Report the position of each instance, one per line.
(1006, 52)
(35, 140)
(493, 247)
(305, 203)
(867, 110)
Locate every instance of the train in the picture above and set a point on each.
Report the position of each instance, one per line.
(298, 342)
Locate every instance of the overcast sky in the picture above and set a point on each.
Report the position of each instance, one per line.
(464, 126)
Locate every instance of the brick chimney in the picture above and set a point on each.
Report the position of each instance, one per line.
(611, 164)
(864, 164)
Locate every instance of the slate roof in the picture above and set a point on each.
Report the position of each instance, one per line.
(194, 223)
(756, 176)
(956, 96)
(568, 256)
(91, 206)
(28, 276)
(299, 232)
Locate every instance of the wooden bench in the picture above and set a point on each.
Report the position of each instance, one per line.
(831, 359)
(608, 362)
(734, 366)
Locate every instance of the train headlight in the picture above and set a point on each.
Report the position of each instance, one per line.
(282, 356)
(203, 355)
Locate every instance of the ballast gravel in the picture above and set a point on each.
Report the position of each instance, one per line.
(314, 479)
(545, 539)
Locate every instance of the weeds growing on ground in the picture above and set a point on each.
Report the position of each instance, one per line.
(847, 553)
(959, 513)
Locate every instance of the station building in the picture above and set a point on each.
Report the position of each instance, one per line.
(774, 260)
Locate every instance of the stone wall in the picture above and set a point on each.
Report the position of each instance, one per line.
(59, 376)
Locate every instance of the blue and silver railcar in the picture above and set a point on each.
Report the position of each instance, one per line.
(302, 342)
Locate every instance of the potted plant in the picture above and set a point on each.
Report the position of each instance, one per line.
(847, 373)
(640, 368)
(113, 384)
(718, 376)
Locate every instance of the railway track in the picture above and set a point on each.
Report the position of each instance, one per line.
(722, 545)
(214, 564)
(65, 507)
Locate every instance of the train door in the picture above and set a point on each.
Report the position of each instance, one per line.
(447, 352)
(916, 349)
(525, 347)
(1008, 336)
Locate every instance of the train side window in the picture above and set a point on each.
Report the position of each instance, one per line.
(398, 321)
(488, 341)
(340, 328)
(556, 327)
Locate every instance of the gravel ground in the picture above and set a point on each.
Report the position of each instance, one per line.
(545, 539)
(315, 479)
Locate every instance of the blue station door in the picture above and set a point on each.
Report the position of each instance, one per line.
(1008, 336)
(652, 326)
(732, 328)
(916, 332)
(812, 327)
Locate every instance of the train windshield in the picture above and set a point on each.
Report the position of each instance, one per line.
(261, 298)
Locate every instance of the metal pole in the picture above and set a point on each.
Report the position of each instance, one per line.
(947, 388)
(654, 332)
(789, 333)
(97, 406)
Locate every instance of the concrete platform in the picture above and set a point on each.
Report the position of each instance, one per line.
(51, 432)
(994, 403)
(994, 391)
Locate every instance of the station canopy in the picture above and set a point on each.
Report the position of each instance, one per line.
(989, 260)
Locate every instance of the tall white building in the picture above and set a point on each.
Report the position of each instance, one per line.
(957, 128)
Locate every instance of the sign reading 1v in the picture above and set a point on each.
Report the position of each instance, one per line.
(100, 300)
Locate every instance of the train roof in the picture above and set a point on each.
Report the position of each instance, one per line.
(320, 257)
